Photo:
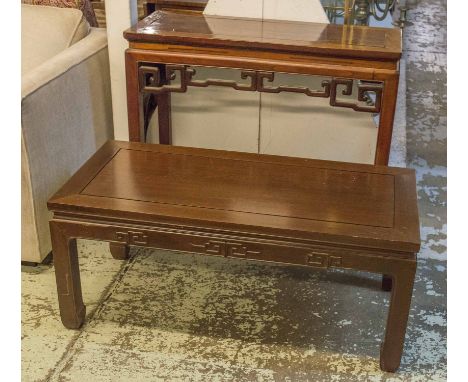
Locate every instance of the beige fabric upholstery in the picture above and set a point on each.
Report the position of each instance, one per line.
(47, 31)
(29, 235)
(66, 116)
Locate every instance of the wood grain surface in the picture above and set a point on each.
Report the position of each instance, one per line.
(311, 199)
(304, 212)
(273, 35)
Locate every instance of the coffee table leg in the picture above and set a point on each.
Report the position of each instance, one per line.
(119, 251)
(67, 275)
(402, 290)
(386, 283)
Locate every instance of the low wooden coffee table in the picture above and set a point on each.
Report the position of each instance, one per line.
(313, 213)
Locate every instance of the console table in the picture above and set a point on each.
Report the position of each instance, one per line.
(167, 47)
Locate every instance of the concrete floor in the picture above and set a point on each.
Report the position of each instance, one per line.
(165, 316)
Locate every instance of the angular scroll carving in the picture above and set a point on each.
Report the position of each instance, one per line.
(239, 250)
(132, 237)
(245, 74)
(323, 260)
(226, 249)
(270, 77)
(151, 81)
(363, 90)
(212, 247)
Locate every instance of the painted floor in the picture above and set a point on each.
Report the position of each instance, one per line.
(166, 316)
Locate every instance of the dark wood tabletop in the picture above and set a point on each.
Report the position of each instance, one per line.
(309, 199)
(272, 35)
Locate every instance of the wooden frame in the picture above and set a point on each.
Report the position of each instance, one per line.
(343, 52)
(358, 238)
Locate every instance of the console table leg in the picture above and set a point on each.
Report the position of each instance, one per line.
(392, 347)
(136, 131)
(119, 251)
(164, 117)
(386, 283)
(163, 101)
(387, 114)
(67, 274)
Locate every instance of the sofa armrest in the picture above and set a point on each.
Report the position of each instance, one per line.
(66, 115)
(64, 61)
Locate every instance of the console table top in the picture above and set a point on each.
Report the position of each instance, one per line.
(300, 198)
(272, 35)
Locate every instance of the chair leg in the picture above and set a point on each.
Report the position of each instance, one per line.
(392, 347)
(119, 251)
(67, 274)
(386, 283)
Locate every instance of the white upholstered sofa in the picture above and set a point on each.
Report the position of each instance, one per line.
(66, 112)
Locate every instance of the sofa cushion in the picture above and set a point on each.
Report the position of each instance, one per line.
(47, 31)
(83, 5)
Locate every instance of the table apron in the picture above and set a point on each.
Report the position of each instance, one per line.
(328, 67)
(319, 255)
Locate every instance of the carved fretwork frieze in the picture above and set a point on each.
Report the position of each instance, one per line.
(132, 238)
(151, 81)
(363, 90)
(323, 260)
(239, 250)
(245, 74)
(225, 248)
(213, 247)
(270, 77)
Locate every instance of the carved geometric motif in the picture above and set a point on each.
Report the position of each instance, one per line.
(226, 249)
(322, 260)
(132, 237)
(212, 247)
(239, 250)
(363, 90)
(150, 81)
(270, 77)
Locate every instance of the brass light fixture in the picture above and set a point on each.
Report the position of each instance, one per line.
(360, 11)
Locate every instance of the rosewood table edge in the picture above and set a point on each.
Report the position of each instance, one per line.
(276, 65)
(87, 171)
(264, 158)
(337, 51)
(85, 206)
(220, 234)
(249, 52)
(68, 197)
(392, 47)
(396, 244)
